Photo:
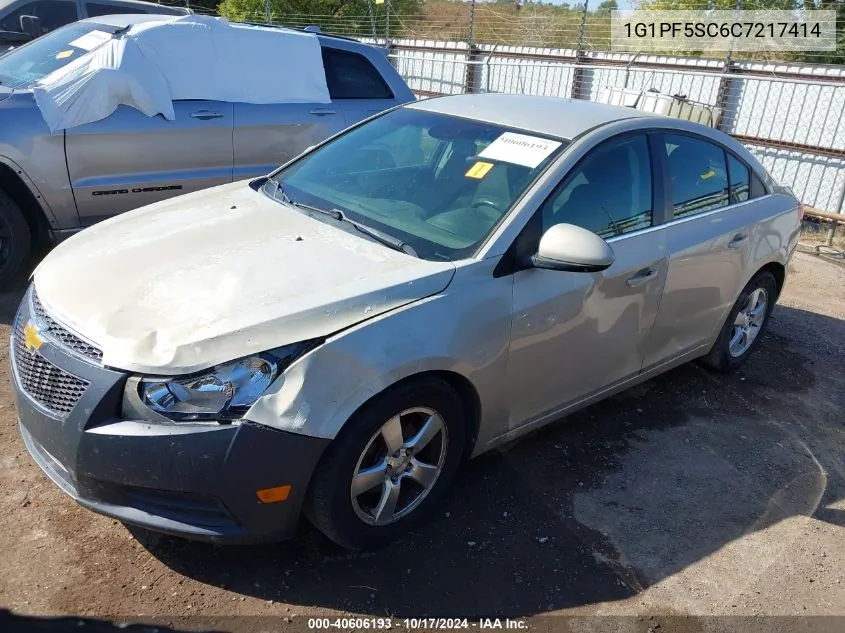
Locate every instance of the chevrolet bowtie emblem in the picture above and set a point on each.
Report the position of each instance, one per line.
(31, 340)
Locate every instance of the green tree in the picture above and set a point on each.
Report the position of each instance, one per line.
(606, 6)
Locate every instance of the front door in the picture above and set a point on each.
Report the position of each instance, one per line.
(575, 334)
(129, 160)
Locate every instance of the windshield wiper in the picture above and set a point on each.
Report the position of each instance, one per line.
(383, 238)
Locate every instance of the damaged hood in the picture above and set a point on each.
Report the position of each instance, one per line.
(205, 278)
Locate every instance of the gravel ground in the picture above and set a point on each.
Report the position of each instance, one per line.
(693, 494)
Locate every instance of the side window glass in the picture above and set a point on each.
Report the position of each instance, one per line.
(352, 76)
(698, 174)
(94, 9)
(758, 189)
(52, 13)
(608, 193)
(740, 179)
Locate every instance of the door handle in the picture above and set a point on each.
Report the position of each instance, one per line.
(646, 274)
(738, 240)
(322, 112)
(206, 115)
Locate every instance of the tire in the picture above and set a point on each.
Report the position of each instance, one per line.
(352, 521)
(724, 356)
(15, 240)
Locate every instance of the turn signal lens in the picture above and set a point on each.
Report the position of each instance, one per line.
(273, 495)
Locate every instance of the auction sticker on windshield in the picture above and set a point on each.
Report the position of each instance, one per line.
(92, 40)
(520, 149)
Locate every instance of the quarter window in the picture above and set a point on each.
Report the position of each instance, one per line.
(52, 13)
(740, 178)
(352, 76)
(608, 193)
(698, 174)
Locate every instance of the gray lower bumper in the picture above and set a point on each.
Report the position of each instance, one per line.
(193, 480)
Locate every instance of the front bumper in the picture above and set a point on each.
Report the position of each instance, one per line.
(193, 480)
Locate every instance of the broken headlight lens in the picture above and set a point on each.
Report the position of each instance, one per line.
(222, 393)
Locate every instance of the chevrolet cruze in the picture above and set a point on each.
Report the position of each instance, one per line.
(336, 338)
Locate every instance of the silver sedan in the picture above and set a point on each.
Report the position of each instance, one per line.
(338, 336)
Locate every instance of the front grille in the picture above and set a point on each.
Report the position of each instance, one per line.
(62, 335)
(49, 386)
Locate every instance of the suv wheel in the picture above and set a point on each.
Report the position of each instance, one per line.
(389, 466)
(745, 324)
(15, 240)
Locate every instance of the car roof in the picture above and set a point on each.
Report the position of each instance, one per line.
(551, 116)
(129, 19)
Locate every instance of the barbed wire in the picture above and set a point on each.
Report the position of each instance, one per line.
(532, 25)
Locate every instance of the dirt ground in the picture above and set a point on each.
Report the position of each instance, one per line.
(693, 494)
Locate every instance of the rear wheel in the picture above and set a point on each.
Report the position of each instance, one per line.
(15, 240)
(390, 465)
(745, 324)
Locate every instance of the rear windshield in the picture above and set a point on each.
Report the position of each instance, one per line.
(28, 64)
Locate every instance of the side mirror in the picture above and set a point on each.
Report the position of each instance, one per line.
(574, 249)
(31, 25)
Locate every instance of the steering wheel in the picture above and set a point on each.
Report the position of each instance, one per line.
(487, 202)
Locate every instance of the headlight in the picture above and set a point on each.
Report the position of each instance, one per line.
(222, 393)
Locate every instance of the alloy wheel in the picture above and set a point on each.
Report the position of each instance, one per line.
(749, 320)
(399, 466)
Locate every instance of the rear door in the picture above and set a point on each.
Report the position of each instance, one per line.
(129, 160)
(267, 136)
(708, 236)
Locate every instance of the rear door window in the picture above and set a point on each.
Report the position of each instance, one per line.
(740, 179)
(52, 13)
(352, 76)
(698, 175)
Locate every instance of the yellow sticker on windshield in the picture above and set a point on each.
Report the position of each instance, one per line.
(64, 55)
(709, 174)
(479, 170)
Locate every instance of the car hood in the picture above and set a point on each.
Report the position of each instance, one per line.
(201, 279)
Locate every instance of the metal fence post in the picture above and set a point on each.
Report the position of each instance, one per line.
(725, 83)
(267, 11)
(372, 18)
(387, 24)
(471, 23)
(578, 75)
(831, 233)
(471, 79)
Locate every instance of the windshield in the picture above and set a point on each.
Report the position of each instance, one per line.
(23, 66)
(437, 183)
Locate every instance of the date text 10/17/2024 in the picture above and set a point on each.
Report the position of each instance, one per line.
(415, 623)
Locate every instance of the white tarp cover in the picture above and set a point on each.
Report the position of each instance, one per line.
(189, 57)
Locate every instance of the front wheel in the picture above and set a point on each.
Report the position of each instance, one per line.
(745, 324)
(390, 465)
(15, 240)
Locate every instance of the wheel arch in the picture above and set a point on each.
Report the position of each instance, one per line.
(13, 181)
(463, 387)
(778, 270)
